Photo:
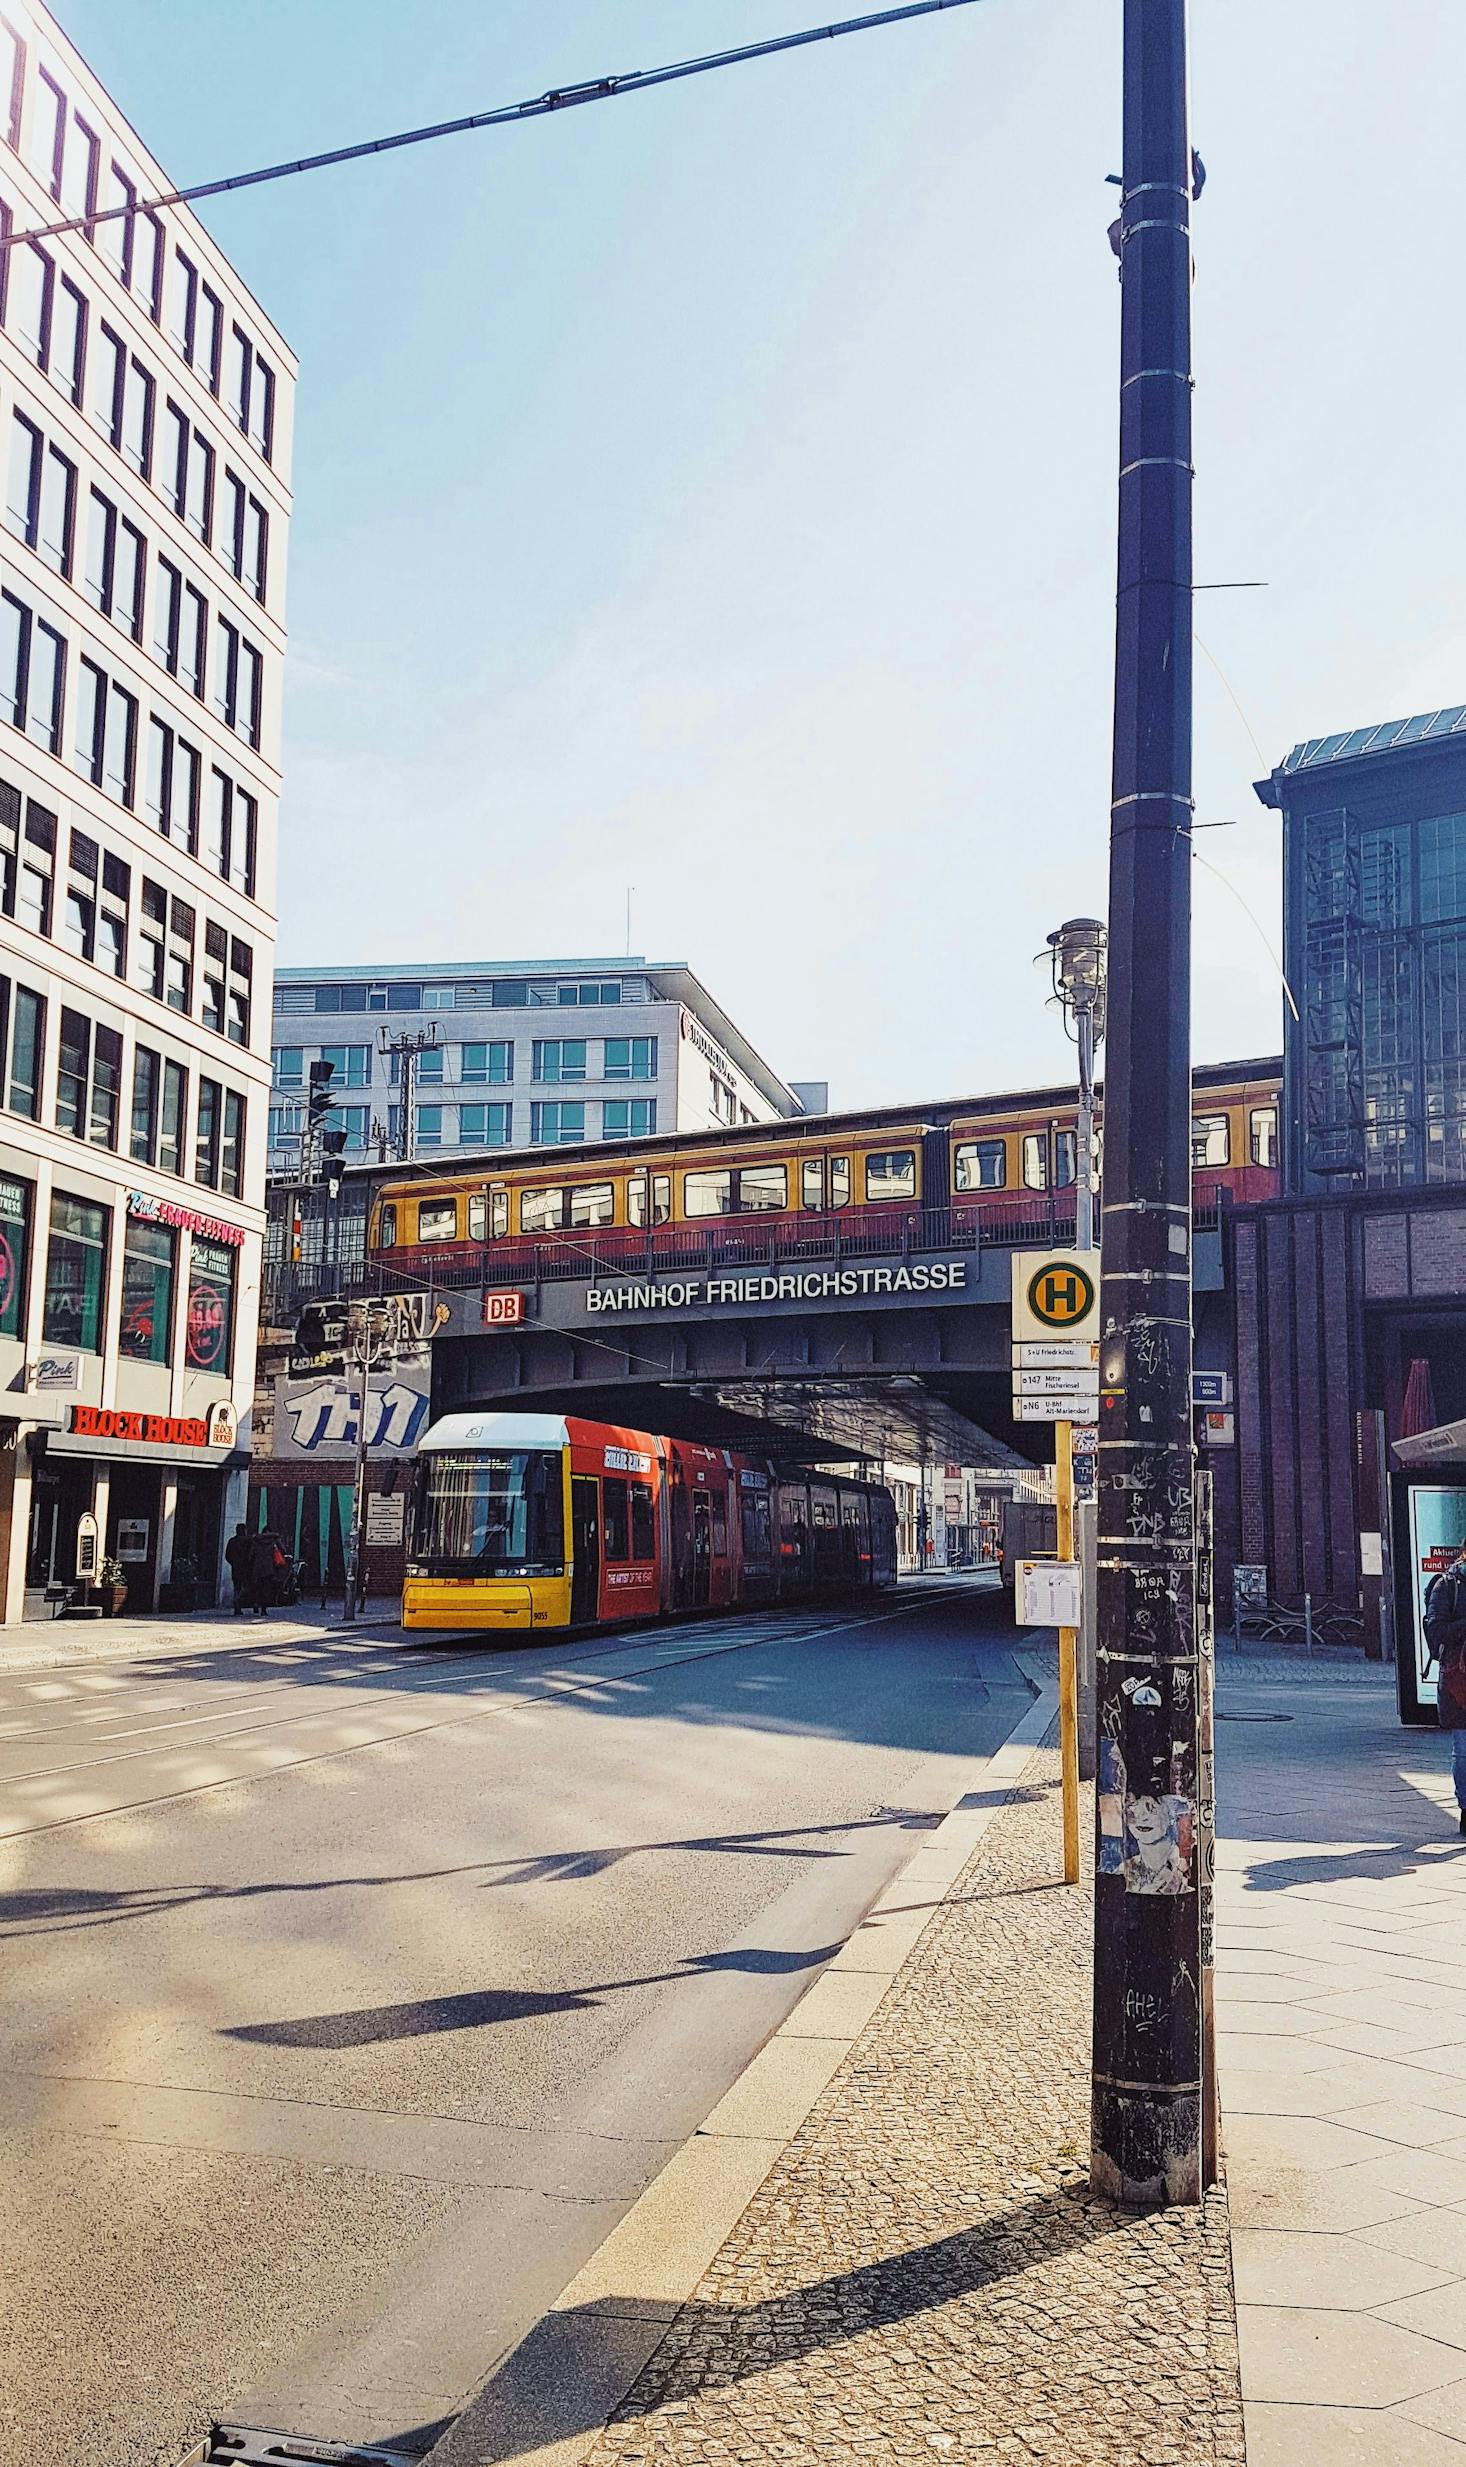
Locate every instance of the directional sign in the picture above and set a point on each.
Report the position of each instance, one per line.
(1056, 1383)
(1211, 1388)
(1077, 1406)
(1055, 1353)
(1055, 1294)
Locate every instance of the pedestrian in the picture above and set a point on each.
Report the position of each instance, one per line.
(237, 1557)
(1445, 1636)
(266, 1559)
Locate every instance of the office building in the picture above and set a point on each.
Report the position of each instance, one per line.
(1374, 943)
(522, 1054)
(145, 401)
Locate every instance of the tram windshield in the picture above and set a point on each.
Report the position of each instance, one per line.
(491, 1515)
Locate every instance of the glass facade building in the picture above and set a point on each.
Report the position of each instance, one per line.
(1374, 934)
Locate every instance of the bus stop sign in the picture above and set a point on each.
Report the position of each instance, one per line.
(1055, 1294)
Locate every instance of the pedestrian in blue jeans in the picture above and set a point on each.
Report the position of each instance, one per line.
(1445, 1634)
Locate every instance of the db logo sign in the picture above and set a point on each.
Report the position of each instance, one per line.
(503, 1310)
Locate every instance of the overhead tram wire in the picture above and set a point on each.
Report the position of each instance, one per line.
(505, 115)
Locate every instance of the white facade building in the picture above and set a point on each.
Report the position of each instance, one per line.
(528, 1054)
(145, 403)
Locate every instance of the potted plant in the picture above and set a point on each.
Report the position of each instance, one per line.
(112, 1586)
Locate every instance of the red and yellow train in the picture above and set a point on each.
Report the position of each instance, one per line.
(536, 1521)
(860, 1180)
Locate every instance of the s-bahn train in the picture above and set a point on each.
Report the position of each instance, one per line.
(533, 1521)
(801, 1188)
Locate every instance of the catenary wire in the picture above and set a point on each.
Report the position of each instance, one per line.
(558, 98)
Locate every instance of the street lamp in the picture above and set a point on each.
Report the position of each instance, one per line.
(1078, 961)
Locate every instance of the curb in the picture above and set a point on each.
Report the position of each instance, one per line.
(584, 2354)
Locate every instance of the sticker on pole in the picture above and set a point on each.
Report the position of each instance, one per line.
(1055, 1294)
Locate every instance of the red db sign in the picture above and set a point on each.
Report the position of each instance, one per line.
(503, 1310)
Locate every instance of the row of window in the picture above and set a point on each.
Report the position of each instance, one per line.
(74, 1297)
(84, 174)
(498, 994)
(554, 1061)
(982, 1164)
(85, 905)
(475, 1126)
(87, 1094)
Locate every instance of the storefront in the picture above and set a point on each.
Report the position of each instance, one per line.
(1428, 1525)
(159, 1485)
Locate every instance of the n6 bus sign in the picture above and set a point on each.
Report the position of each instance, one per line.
(1055, 1294)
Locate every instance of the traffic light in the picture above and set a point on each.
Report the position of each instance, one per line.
(333, 1152)
(321, 1100)
(321, 1329)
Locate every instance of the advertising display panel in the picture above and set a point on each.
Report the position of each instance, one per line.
(1429, 1531)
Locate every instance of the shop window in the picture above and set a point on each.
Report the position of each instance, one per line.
(76, 1274)
(15, 1246)
(211, 1274)
(147, 1292)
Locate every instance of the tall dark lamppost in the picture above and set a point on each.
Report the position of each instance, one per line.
(1147, 1950)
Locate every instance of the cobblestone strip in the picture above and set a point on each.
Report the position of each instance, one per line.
(923, 2274)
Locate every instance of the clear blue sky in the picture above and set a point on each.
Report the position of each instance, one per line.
(713, 491)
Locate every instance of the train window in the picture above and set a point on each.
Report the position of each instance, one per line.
(763, 1186)
(636, 1200)
(1035, 1161)
(839, 1182)
(541, 1211)
(643, 1545)
(592, 1203)
(758, 1535)
(437, 1220)
(661, 1198)
(812, 1182)
(614, 1518)
(891, 1174)
(1263, 1132)
(499, 1214)
(720, 1524)
(478, 1217)
(708, 1194)
(980, 1165)
(1066, 1164)
(1210, 1140)
(387, 1225)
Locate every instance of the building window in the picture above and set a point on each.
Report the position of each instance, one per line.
(231, 1145)
(144, 1330)
(608, 990)
(559, 1058)
(32, 661)
(210, 1340)
(553, 1125)
(137, 418)
(68, 341)
(430, 1065)
(353, 1064)
(430, 1126)
(628, 1117)
(73, 1071)
(487, 1065)
(27, 1054)
(631, 1057)
(1210, 1141)
(12, 82)
(484, 1126)
(76, 1274)
(109, 369)
(980, 1165)
(1263, 1134)
(15, 1251)
(142, 1144)
(30, 277)
(172, 1118)
(287, 1066)
(206, 1134)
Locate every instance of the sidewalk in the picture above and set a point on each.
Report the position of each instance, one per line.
(921, 2273)
(1341, 1995)
(47, 1644)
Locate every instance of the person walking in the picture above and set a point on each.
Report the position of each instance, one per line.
(266, 1559)
(1445, 1635)
(237, 1557)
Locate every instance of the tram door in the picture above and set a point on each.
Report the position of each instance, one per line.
(702, 1547)
(585, 1520)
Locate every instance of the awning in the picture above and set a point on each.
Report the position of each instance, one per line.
(1445, 1445)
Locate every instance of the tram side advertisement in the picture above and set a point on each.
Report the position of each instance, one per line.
(1437, 1533)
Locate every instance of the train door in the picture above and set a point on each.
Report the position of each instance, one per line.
(585, 1521)
(702, 1548)
(852, 1538)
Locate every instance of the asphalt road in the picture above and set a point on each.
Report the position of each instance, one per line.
(355, 1988)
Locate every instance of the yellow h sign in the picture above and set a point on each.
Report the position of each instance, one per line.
(1056, 1294)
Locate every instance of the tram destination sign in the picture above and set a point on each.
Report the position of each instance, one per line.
(742, 1291)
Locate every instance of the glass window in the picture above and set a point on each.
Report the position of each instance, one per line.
(73, 1066)
(68, 340)
(206, 1135)
(119, 749)
(172, 1117)
(1442, 840)
(147, 1292)
(15, 1249)
(631, 1057)
(44, 687)
(352, 1064)
(1210, 1142)
(980, 1165)
(28, 300)
(387, 1226)
(177, 980)
(27, 1047)
(193, 627)
(12, 659)
(492, 1065)
(430, 1126)
(137, 417)
(127, 580)
(484, 1512)
(198, 496)
(615, 1517)
(115, 238)
(253, 567)
(1066, 1156)
(643, 1543)
(707, 1193)
(229, 545)
(559, 1058)
(763, 1186)
(287, 1064)
(236, 1018)
(478, 1217)
(12, 82)
(79, 923)
(76, 1274)
(839, 1181)
(91, 703)
(1035, 1161)
(109, 363)
(58, 505)
(430, 1064)
(48, 129)
(23, 481)
(552, 1125)
(106, 1088)
(661, 1199)
(541, 1211)
(231, 1145)
(182, 293)
(1264, 1134)
(101, 539)
(633, 1117)
(891, 1174)
(143, 1133)
(437, 1220)
(211, 1271)
(112, 941)
(251, 678)
(211, 1009)
(174, 457)
(484, 1126)
(208, 338)
(592, 1203)
(499, 1214)
(812, 1182)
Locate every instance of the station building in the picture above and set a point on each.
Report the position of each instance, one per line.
(145, 401)
(527, 1054)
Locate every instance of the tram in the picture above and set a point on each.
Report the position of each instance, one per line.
(533, 1522)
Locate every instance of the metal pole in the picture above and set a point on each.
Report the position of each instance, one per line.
(1068, 1653)
(356, 1555)
(1146, 2129)
(1084, 1159)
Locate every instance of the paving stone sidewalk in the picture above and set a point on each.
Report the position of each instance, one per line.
(924, 2275)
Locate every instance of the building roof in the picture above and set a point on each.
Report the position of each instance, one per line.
(1350, 744)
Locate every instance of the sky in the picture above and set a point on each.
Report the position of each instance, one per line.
(711, 493)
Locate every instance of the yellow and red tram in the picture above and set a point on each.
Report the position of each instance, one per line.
(531, 1522)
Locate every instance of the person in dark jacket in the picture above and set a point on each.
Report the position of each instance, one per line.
(1445, 1635)
(237, 1552)
(266, 1560)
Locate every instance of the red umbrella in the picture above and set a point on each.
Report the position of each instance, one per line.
(1417, 1414)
